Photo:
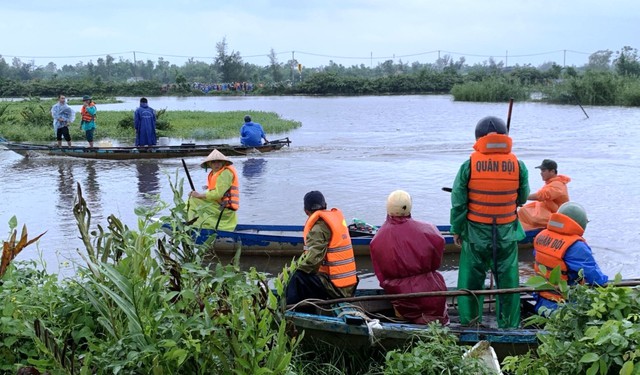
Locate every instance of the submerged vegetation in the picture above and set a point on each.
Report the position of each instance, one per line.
(30, 120)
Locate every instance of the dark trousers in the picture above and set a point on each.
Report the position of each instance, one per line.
(63, 131)
(304, 285)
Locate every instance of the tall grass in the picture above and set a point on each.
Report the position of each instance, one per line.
(493, 89)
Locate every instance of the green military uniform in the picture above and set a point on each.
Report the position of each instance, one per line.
(476, 257)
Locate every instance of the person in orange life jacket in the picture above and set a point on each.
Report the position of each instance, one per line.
(406, 255)
(561, 244)
(327, 269)
(487, 189)
(216, 207)
(547, 200)
(88, 123)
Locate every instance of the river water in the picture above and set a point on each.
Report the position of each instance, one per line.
(356, 150)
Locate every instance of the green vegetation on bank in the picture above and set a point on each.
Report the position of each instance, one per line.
(31, 121)
(609, 78)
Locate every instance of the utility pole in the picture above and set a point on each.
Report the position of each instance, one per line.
(135, 76)
(506, 59)
(293, 60)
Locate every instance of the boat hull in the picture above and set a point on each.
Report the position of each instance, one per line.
(351, 326)
(286, 240)
(152, 152)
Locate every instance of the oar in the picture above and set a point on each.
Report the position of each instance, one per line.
(193, 188)
(444, 293)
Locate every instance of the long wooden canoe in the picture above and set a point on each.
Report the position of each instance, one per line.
(286, 240)
(371, 323)
(151, 152)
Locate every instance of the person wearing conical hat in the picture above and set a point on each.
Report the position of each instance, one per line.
(216, 207)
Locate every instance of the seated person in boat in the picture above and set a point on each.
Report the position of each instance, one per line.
(327, 268)
(561, 244)
(216, 207)
(546, 200)
(406, 255)
(251, 133)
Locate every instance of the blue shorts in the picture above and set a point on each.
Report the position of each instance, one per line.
(89, 134)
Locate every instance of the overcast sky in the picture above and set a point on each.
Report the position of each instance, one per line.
(348, 32)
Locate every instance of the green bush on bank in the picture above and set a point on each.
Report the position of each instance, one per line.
(596, 332)
(142, 303)
(492, 89)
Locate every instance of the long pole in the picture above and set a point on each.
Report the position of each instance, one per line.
(193, 188)
(509, 114)
(448, 293)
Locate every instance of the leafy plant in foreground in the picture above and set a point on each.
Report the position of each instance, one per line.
(597, 331)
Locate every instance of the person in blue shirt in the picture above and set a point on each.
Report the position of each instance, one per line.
(561, 244)
(251, 133)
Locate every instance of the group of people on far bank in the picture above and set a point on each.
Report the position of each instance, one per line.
(144, 122)
(144, 119)
(489, 215)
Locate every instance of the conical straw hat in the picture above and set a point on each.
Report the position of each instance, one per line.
(213, 156)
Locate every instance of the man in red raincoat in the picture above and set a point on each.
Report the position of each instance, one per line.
(406, 255)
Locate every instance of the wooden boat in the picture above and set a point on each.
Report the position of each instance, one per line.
(364, 324)
(286, 240)
(151, 152)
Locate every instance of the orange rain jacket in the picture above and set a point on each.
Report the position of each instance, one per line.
(550, 197)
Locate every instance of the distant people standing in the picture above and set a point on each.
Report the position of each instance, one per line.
(62, 115)
(144, 121)
(251, 133)
(88, 123)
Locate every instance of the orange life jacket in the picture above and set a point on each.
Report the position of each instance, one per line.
(551, 244)
(339, 262)
(231, 198)
(86, 116)
(494, 181)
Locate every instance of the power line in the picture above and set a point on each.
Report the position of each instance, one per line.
(368, 58)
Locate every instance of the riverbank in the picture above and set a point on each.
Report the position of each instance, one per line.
(30, 121)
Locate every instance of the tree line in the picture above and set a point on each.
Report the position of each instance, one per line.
(108, 77)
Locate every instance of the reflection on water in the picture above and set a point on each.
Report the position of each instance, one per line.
(252, 170)
(66, 187)
(148, 180)
(91, 188)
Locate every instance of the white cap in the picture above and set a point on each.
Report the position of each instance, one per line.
(399, 203)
